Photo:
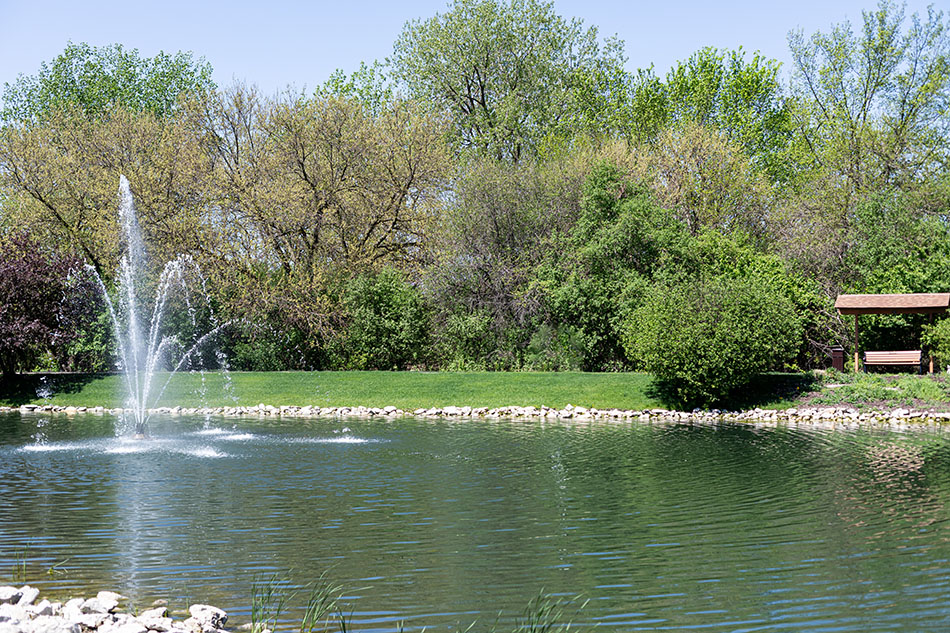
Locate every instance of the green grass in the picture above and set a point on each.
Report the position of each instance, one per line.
(405, 390)
(413, 390)
(884, 390)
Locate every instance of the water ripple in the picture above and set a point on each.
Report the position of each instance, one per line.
(661, 527)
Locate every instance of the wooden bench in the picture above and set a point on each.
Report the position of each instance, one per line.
(906, 357)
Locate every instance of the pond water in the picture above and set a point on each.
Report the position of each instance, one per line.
(440, 524)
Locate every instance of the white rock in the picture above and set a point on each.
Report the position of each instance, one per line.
(72, 608)
(132, 626)
(90, 620)
(157, 612)
(13, 612)
(28, 595)
(43, 607)
(160, 624)
(95, 605)
(110, 596)
(10, 595)
(50, 624)
(205, 614)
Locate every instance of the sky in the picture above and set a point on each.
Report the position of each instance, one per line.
(277, 44)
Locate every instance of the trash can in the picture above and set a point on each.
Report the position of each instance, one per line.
(837, 358)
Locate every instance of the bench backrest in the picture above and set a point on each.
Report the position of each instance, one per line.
(907, 357)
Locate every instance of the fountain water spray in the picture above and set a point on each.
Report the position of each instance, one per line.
(144, 353)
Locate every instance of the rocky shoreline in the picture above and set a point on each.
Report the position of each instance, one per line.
(21, 611)
(821, 417)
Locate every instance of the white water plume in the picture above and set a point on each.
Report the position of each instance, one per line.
(144, 354)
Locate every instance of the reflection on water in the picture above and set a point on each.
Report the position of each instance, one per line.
(438, 524)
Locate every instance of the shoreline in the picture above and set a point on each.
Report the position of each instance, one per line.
(824, 417)
(22, 611)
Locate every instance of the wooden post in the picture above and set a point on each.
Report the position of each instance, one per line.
(931, 354)
(855, 343)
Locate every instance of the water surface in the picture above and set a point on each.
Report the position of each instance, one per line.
(439, 524)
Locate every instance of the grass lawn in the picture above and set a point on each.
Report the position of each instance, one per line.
(412, 390)
(405, 390)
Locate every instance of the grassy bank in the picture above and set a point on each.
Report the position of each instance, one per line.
(411, 390)
(406, 390)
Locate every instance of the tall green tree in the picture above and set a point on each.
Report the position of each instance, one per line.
(311, 191)
(741, 99)
(62, 176)
(94, 79)
(873, 115)
(515, 76)
(875, 105)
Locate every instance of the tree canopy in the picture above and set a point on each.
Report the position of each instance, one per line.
(514, 76)
(95, 79)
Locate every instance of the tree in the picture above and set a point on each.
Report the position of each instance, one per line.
(513, 76)
(875, 107)
(621, 240)
(490, 237)
(313, 183)
(44, 300)
(369, 85)
(871, 112)
(741, 100)
(311, 191)
(62, 176)
(94, 80)
(387, 325)
(704, 179)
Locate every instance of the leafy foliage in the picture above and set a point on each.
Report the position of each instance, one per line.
(387, 323)
(936, 340)
(44, 300)
(94, 80)
(502, 194)
(514, 76)
(721, 91)
(486, 247)
(704, 338)
(621, 239)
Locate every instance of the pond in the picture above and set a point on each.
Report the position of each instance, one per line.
(441, 524)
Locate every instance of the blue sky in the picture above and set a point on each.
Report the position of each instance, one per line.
(276, 43)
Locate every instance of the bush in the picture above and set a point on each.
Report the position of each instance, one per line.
(555, 349)
(703, 339)
(465, 342)
(936, 341)
(387, 323)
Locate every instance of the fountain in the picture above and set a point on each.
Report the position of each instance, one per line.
(144, 353)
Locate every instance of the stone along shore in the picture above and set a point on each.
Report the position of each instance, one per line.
(821, 417)
(21, 611)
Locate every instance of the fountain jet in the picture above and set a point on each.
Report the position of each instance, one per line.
(143, 353)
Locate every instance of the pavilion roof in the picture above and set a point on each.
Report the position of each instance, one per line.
(923, 303)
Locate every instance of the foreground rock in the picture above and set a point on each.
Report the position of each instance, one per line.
(21, 613)
(822, 417)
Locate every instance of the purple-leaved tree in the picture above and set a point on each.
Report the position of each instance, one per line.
(45, 296)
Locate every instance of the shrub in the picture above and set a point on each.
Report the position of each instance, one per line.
(387, 323)
(936, 340)
(555, 349)
(703, 339)
(465, 342)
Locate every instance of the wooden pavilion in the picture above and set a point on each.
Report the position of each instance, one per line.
(919, 303)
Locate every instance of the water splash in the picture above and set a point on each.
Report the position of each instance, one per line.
(44, 390)
(146, 353)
